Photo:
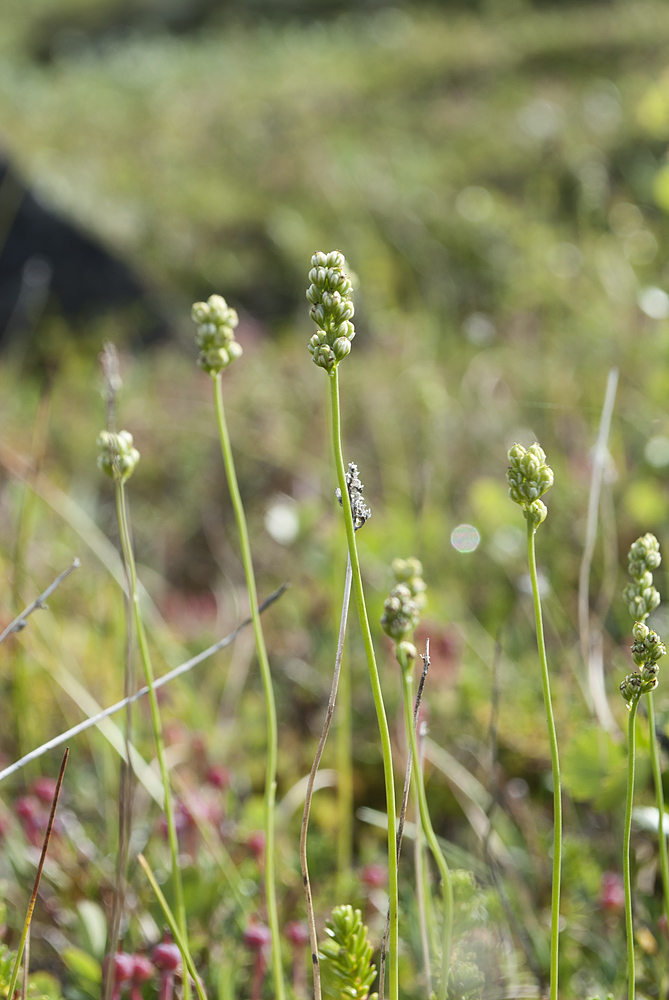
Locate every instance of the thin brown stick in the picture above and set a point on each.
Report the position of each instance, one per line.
(183, 668)
(38, 876)
(40, 602)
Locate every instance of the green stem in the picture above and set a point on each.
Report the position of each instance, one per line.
(422, 894)
(174, 927)
(629, 925)
(428, 829)
(555, 765)
(659, 799)
(131, 569)
(344, 756)
(386, 751)
(272, 727)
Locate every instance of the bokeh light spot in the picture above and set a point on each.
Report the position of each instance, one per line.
(465, 538)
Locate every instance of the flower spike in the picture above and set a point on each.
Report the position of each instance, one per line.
(216, 323)
(331, 310)
(117, 457)
(529, 477)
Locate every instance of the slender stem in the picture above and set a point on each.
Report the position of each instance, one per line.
(555, 765)
(129, 559)
(403, 813)
(375, 681)
(659, 799)
(430, 836)
(422, 887)
(310, 784)
(272, 726)
(181, 943)
(126, 787)
(344, 758)
(629, 925)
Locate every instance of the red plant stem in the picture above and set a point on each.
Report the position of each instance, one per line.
(259, 971)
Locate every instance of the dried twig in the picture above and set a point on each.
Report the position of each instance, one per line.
(40, 602)
(159, 682)
(38, 876)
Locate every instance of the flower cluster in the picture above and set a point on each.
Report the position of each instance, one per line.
(410, 572)
(400, 613)
(529, 477)
(641, 598)
(359, 509)
(331, 310)
(215, 336)
(117, 457)
(640, 595)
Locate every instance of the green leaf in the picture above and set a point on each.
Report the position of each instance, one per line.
(590, 760)
(93, 928)
(82, 965)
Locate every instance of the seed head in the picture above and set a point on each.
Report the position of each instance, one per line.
(117, 457)
(640, 595)
(410, 571)
(632, 688)
(331, 309)
(529, 477)
(644, 556)
(648, 650)
(215, 336)
(400, 613)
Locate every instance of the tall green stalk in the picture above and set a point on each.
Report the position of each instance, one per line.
(629, 925)
(642, 597)
(216, 323)
(270, 707)
(659, 799)
(145, 656)
(118, 458)
(529, 477)
(425, 821)
(555, 765)
(330, 294)
(304, 864)
(344, 757)
(384, 732)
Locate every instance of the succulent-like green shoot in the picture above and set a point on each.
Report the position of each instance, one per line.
(330, 295)
(117, 457)
(216, 323)
(346, 958)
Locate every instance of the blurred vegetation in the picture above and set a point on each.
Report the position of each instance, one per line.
(497, 177)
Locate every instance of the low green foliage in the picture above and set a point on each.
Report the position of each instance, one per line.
(346, 957)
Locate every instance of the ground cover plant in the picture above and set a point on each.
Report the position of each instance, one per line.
(499, 188)
(488, 936)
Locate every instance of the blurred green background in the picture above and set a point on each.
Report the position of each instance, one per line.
(496, 174)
